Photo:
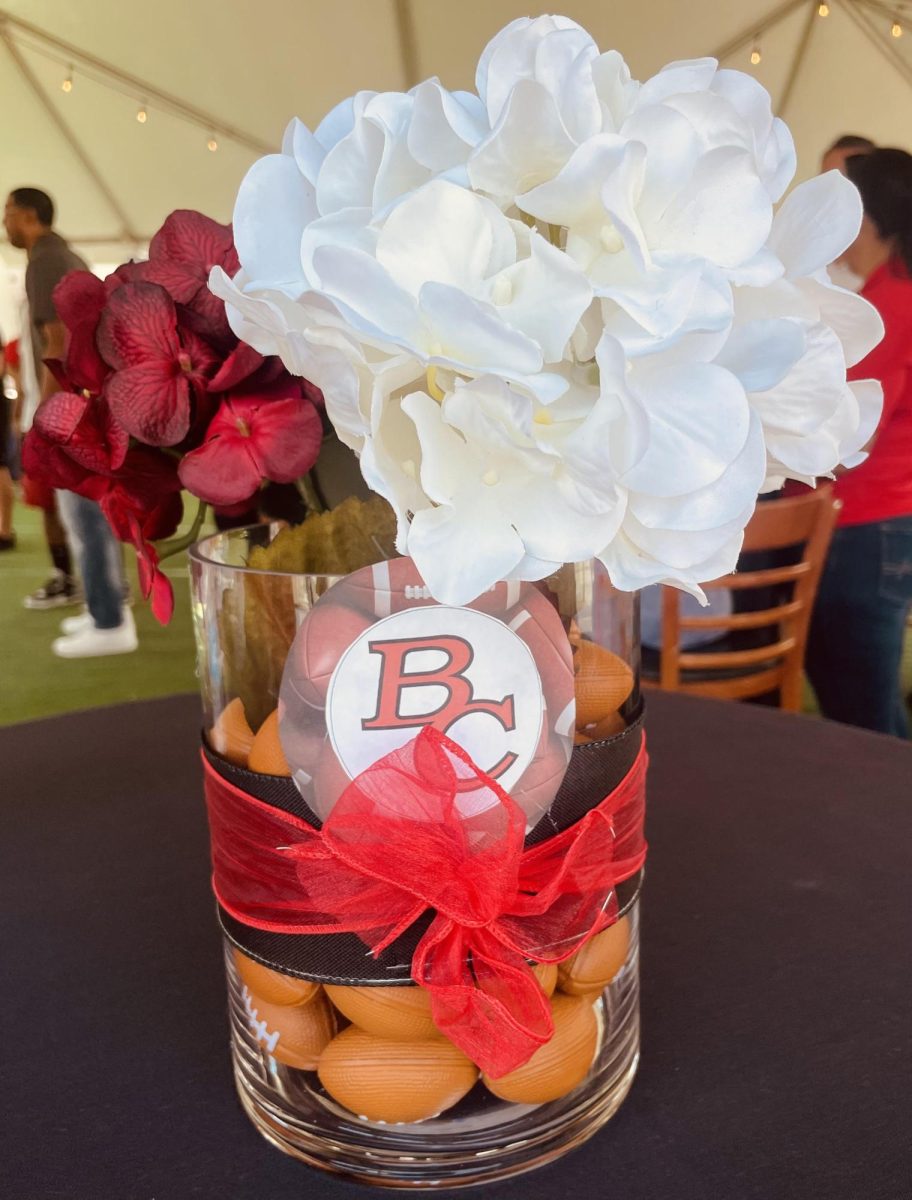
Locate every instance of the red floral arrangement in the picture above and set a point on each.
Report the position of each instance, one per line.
(159, 396)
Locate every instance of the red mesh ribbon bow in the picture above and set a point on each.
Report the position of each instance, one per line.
(422, 829)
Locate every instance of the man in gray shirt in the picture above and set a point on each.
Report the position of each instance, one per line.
(107, 627)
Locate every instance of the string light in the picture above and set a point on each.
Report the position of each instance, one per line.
(823, 10)
(212, 144)
(67, 84)
(142, 114)
(756, 56)
(897, 30)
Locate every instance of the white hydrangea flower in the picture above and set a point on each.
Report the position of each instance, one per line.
(561, 319)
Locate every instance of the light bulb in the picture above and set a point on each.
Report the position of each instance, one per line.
(897, 29)
(756, 56)
(212, 144)
(142, 115)
(67, 84)
(823, 10)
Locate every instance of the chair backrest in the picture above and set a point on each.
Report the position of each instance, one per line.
(775, 634)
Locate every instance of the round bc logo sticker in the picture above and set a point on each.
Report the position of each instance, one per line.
(377, 658)
(462, 671)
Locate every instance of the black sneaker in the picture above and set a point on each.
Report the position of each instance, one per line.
(60, 591)
(7, 541)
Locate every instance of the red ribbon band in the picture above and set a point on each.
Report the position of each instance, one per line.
(425, 828)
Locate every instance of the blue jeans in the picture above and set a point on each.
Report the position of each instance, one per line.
(856, 639)
(98, 557)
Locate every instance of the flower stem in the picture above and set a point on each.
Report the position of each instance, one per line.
(175, 545)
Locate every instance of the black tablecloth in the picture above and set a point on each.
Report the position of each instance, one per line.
(776, 972)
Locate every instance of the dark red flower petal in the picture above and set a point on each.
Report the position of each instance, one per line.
(128, 272)
(80, 296)
(46, 462)
(152, 580)
(116, 436)
(58, 417)
(139, 323)
(221, 471)
(286, 435)
(240, 364)
(196, 241)
(151, 401)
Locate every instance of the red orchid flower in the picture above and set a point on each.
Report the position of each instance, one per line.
(275, 434)
(84, 428)
(145, 489)
(157, 366)
(142, 503)
(155, 584)
(79, 299)
(182, 254)
(47, 462)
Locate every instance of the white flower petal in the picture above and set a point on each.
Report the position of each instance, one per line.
(690, 75)
(856, 322)
(340, 120)
(700, 219)
(463, 549)
(809, 393)
(816, 223)
(308, 153)
(574, 196)
(442, 129)
(716, 505)
(445, 234)
(542, 49)
(274, 205)
(470, 334)
(446, 462)
(527, 146)
(373, 302)
(761, 353)
(548, 296)
(349, 170)
(699, 419)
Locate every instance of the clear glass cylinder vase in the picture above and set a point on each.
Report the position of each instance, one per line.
(351, 1075)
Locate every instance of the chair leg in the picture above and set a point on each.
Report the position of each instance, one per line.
(791, 690)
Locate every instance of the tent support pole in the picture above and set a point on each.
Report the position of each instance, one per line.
(408, 42)
(881, 44)
(798, 60)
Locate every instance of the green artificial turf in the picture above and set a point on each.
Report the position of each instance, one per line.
(35, 683)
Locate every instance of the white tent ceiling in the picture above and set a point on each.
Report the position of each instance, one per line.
(238, 69)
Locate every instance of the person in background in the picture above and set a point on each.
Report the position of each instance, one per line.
(107, 627)
(855, 645)
(847, 146)
(7, 453)
(62, 588)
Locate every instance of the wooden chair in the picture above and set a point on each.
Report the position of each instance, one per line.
(760, 651)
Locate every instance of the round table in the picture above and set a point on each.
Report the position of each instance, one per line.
(777, 962)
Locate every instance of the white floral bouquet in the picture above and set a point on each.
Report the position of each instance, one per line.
(560, 319)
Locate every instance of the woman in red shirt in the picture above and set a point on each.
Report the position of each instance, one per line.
(856, 638)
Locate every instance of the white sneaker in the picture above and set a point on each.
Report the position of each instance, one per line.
(90, 642)
(82, 620)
